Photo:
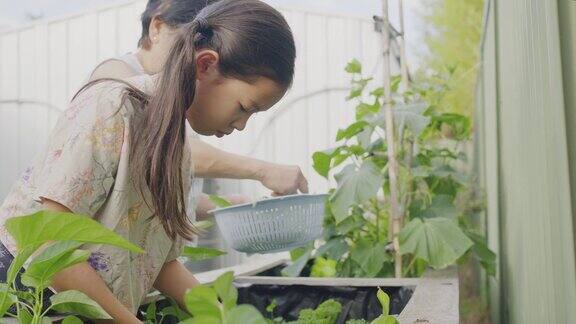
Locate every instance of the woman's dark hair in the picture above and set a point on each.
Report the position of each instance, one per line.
(173, 13)
(252, 40)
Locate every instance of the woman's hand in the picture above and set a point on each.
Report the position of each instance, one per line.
(283, 179)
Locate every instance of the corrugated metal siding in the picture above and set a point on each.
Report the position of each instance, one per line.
(526, 168)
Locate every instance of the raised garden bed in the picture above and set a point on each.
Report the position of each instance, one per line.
(430, 299)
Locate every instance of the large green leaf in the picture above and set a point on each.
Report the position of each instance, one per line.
(72, 320)
(73, 301)
(411, 116)
(44, 226)
(321, 163)
(351, 130)
(355, 186)
(405, 116)
(202, 320)
(245, 314)
(365, 138)
(370, 256)
(322, 160)
(438, 241)
(445, 170)
(294, 269)
(7, 299)
(441, 206)
(200, 253)
(364, 109)
(486, 257)
(334, 249)
(53, 259)
(203, 301)
(226, 290)
(19, 261)
(39, 274)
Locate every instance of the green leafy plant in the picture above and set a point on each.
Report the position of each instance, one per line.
(328, 312)
(50, 241)
(436, 196)
(385, 318)
(325, 313)
(217, 304)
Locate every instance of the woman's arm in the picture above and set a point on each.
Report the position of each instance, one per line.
(205, 204)
(83, 278)
(210, 162)
(173, 281)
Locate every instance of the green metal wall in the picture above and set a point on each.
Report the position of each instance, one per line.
(526, 137)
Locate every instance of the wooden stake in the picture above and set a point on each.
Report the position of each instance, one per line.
(390, 142)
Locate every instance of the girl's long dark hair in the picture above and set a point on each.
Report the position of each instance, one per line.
(253, 40)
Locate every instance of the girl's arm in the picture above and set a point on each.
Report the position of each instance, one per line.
(83, 278)
(210, 162)
(173, 281)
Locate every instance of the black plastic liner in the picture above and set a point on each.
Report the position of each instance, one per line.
(357, 302)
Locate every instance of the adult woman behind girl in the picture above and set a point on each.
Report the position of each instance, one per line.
(120, 154)
(160, 23)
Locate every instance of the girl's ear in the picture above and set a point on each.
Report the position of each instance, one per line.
(207, 65)
(154, 30)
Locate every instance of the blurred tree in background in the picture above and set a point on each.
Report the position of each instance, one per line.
(453, 59)
(454, 50)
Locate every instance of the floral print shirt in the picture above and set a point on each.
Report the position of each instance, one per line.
(85, 167)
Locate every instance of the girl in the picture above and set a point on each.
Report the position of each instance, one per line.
(120, 152)
(160, 23)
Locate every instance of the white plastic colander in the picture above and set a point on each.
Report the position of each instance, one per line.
(273, 224)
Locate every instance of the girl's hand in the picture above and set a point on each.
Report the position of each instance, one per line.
(283, 179)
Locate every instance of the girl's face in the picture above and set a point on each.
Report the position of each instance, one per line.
(222, 105)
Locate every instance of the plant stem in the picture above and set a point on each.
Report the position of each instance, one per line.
(24, 304)
(406, 199)
(46, 311)
(38, 306)
(377, 210)
(407, 271)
